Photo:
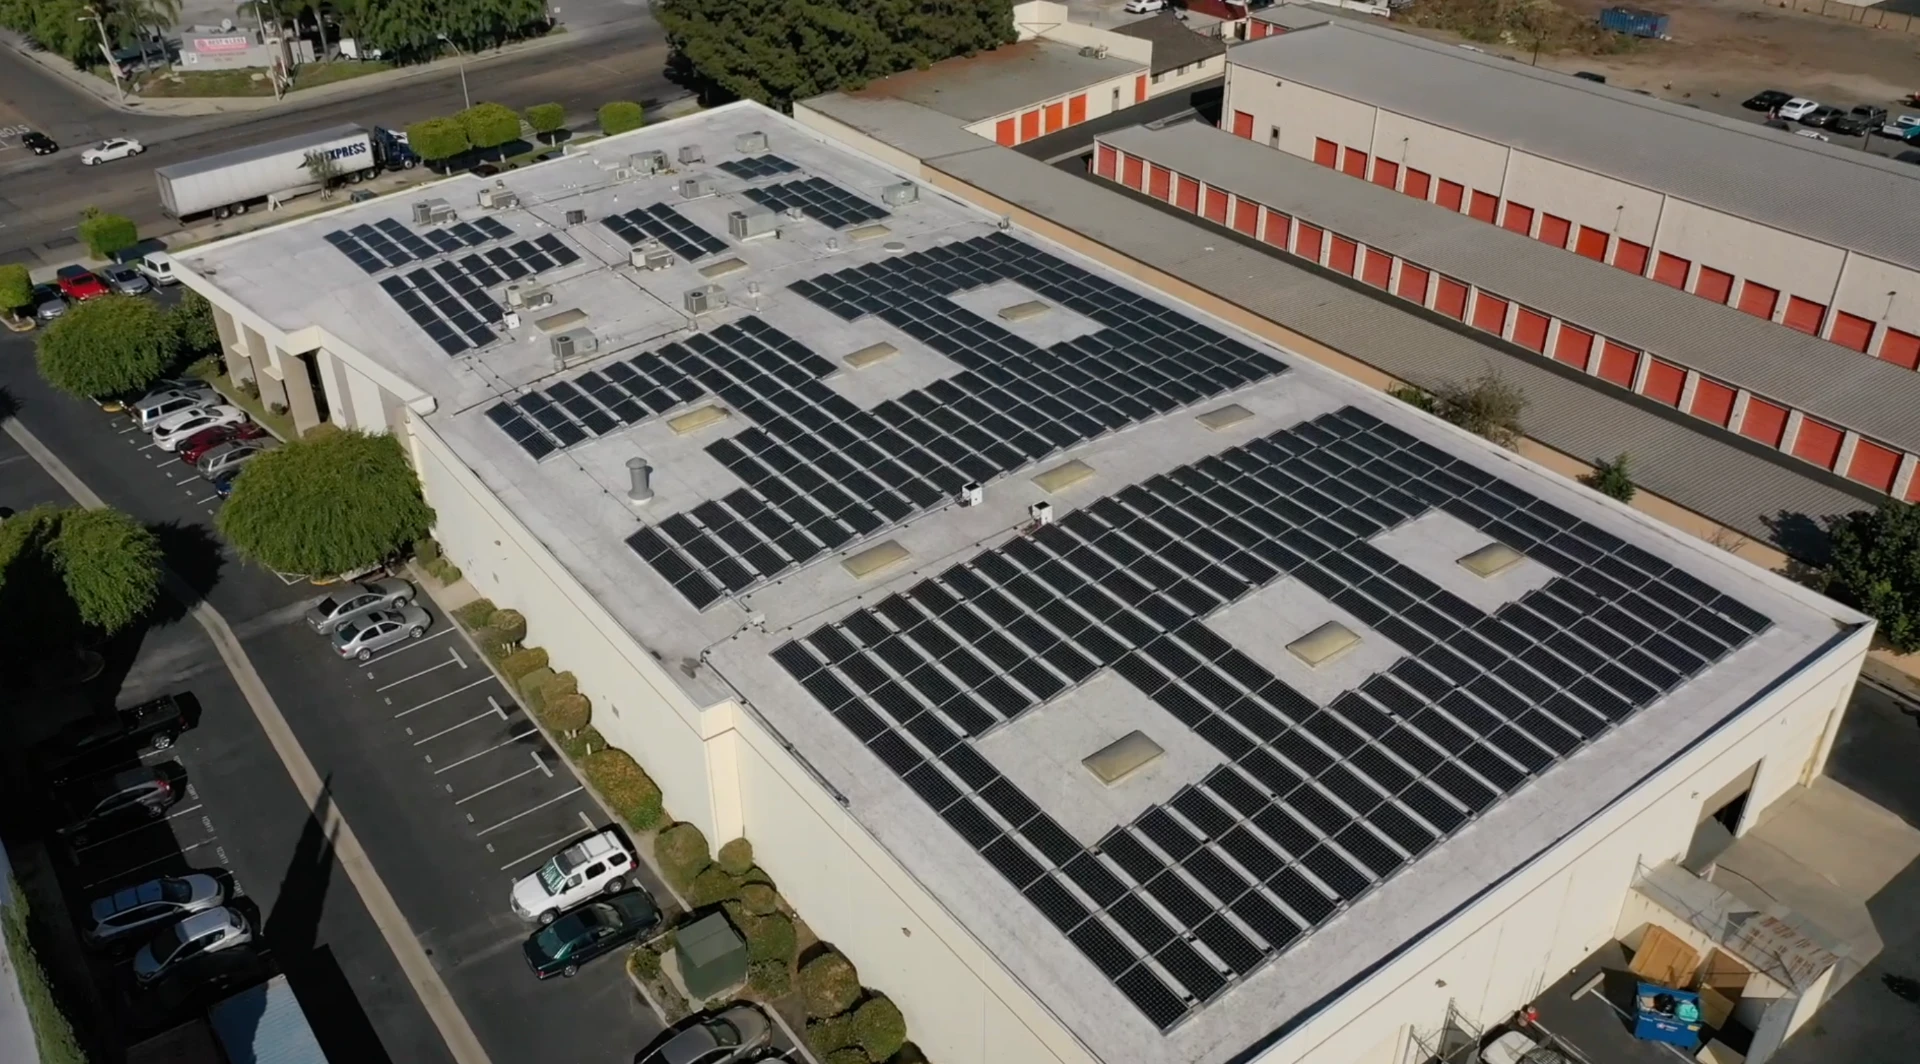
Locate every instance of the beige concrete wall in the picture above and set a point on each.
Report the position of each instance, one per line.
(636, 705)
(1863, 291)
(858, 141)
(961, 1006)
(1584, 198)
(1042, 18)
(1174, 81)
(1303, 114)
(1444, 153)
(1100, 101)
(1792, 264)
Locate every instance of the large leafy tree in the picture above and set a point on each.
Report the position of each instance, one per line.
(67, 574)
(1875, 568)
(193, 326)
(16, 286)
(434, 139)
(412, 28)
(779, 51)
(490, 125)
(109, 345)
(57, 26)
(334, 502)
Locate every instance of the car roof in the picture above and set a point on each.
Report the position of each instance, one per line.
(205, 922)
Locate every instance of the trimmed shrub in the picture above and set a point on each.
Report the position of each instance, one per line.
(711, 887)
(511, 625)
(848, 1055)
(769, 978)
(474, 614)
(770, 938)
(879, 1028)
(758, 899)
(830, 985)
(626, 787)
(104, 234)
(546, 119)
(756, 874)
(646, 964)
(16, 287)
(735, 857)
(489, 125)
(563, 683)
(438, 138)
(582, 742)
(828, 1034)
(621, 116)
(523, 663)
(426, 552)
(568, 713)
(443, 570)
(533, 688)
(682, 853)
(492, 642)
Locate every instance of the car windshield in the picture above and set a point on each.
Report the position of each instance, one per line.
(171, 938)
(724, 1032)
(345, 632)
(327, 605)
(553, 942)
(553, 875)
(176, 891)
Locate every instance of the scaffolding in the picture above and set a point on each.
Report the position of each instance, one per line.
(1455, 1041)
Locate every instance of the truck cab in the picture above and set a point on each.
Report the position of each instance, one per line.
(394, 152)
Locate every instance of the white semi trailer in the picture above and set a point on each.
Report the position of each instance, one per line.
(234, 181)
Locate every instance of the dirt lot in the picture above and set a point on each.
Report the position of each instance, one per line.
(1729, 49)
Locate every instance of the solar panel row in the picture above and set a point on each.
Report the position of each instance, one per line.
(820, 199)
(758, 166)
(682, 235)
(387, 243)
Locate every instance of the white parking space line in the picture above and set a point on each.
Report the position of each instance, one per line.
(453, 660)
(496, 710)
(523, 773)
(135, 830)
(410, 645)
(535, 852)
(441, 698)
(126, 873)
(584, 819)
(208, 499)
(508, 741)
(527, 812)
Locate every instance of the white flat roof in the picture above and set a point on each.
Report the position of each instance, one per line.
(1330, 814)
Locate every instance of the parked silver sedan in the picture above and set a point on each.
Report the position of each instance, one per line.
(353, 601)
(126, 280)
(380, 629)
(119, 915)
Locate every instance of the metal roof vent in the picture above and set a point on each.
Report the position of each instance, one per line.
(695, 188)
(1121, 758)
(875, 558)
(576, 217)
(900, 194)
(1324, 643)
(871, 354)
(651, 255)
(639, 480)
(574, 343)
(498, 197)
(705, 299)
(528, 296)
(647, 162)
(690, 154)
(1027, 311)
(753, 221)
(750, 143)
(1492, 560)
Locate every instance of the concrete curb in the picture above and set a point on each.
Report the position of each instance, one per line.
(197, 106)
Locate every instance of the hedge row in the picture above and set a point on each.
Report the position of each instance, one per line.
(876, 1029)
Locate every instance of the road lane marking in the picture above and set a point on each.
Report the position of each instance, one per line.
(442, 698)
(527, 812)
(462, 1043)
(462, 724)
(508, 741)
(432, 668)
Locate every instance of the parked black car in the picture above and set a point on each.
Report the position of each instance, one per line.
(1766, 100)
(151, 725)
(1860, 121)
(104, 804)
(605, 924)
(1588, 75)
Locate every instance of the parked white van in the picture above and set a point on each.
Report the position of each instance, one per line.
(158, 267)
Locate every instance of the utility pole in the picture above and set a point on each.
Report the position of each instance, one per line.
(468, 100)
(106, 48)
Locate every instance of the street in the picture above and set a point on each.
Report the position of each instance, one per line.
(450, 789)
(41, 197)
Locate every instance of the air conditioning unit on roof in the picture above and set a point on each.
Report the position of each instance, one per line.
(705, 299)
(647, 162)
(576, 217)
(1094, 51)
(528, 296)
(651, 255)
(574, 343)
(750, 143)
(434, 211)
(498, 197)
(690, 154)
(751, 222)
(902, 193)
(694, 188)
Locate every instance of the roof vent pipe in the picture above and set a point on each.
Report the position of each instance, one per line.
(640, 480)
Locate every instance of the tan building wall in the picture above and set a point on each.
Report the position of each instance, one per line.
(1174, 80)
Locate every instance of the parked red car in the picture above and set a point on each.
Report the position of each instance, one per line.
(78, 283)
(206, 440)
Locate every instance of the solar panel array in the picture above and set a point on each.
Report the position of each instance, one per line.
(682, 235)
(755, 166)
(387, 243)
(821, 473)
(821, 199)
(1312, 806)
(448, 300)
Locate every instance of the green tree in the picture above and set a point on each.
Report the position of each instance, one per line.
(546, 119)
(193, 327)
(1611, 479)
(330, 503)
(104, 234)
(490, 125)
(621, 116)
(65, 573)
(111, 345)
(1875, 568)
(438, 138)
(779, 51)
(16, 286)
(414, 29)
(56, 25)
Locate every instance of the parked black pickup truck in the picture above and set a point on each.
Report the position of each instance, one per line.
(151, 725)
(1860, 121)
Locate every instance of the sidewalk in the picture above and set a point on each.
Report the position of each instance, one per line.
(189, 107)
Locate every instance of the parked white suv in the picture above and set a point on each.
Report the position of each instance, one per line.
(594, 865)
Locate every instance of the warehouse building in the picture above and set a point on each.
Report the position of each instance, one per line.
(1811, 236)
(1110, 683)
(1775, 387)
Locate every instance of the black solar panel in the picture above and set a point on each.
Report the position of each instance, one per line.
(819, 199)
(757, 166)
(681, 235)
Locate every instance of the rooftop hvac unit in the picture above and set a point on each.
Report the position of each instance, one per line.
(904, 192)
(1094, 51)
(574, 343)
(705, 299)
(625, 173)
(498, 197)
(750, 143)
(647, 162)
(528, 296)
(651, 255)
(576, 217)
(433, 212)
(422, 212)
(690, 154)
(694, 188)
(751, 222)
